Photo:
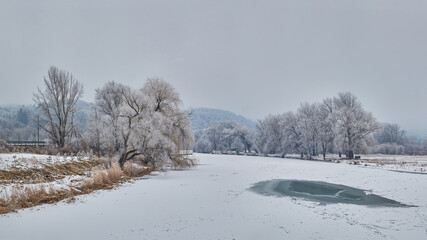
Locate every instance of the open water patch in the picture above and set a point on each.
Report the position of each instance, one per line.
(322, 192)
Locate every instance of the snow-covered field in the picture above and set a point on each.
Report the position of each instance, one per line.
(416, 164)
(26, 160)
(212, 201)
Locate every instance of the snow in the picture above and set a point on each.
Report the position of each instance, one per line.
(212, 201)
(400, 163)
(60, 184)
(24, 160)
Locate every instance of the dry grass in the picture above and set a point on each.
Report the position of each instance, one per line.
(48, 173)
(134, 170)
(5, 148)
(103, 178)
(114, 173)
(31, 196)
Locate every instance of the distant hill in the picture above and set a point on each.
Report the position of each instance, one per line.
(201, 118)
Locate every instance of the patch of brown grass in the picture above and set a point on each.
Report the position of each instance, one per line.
(31, 196)
(48, 173)
(135, 170)
(114, 173)
(4, 206)
(103, 179)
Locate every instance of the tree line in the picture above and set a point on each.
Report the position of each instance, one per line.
(337, 125)
(148, 123)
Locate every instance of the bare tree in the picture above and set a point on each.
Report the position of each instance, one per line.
(58, 104)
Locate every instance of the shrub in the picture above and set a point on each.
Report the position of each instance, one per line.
(183, 161)
(115, 172)
(4, 147)
(100, 179)
(135, 170)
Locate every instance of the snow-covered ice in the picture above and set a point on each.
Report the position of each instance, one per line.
(212, 201)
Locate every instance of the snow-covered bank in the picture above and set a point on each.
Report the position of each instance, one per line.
(26, 160)
(212, 201)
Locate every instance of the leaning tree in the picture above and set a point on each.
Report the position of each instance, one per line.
(58, 104)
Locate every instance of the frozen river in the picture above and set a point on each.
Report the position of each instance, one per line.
(213, 201)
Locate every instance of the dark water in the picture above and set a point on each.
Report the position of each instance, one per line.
(323, 192)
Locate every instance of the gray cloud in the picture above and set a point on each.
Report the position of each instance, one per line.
(250, 57)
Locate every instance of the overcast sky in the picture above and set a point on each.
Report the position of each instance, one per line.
(249, 57)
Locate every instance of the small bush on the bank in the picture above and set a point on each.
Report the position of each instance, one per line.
(100, 179)
(103, 179)
(183, 161)
(115, 172)
(135, 170)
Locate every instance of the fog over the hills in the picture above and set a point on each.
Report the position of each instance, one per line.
(249, 57)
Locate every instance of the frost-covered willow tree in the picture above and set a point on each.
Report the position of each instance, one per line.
(58, 104)
(146, 122)
(170, 131)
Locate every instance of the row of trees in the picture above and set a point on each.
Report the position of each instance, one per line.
(124, 122)
(148, 122)
(225, 136)
(391, 139)
(336, 125)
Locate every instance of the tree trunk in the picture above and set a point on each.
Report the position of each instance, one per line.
(122, 160)
(324, 151)
(125, 157)
(350, 154)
